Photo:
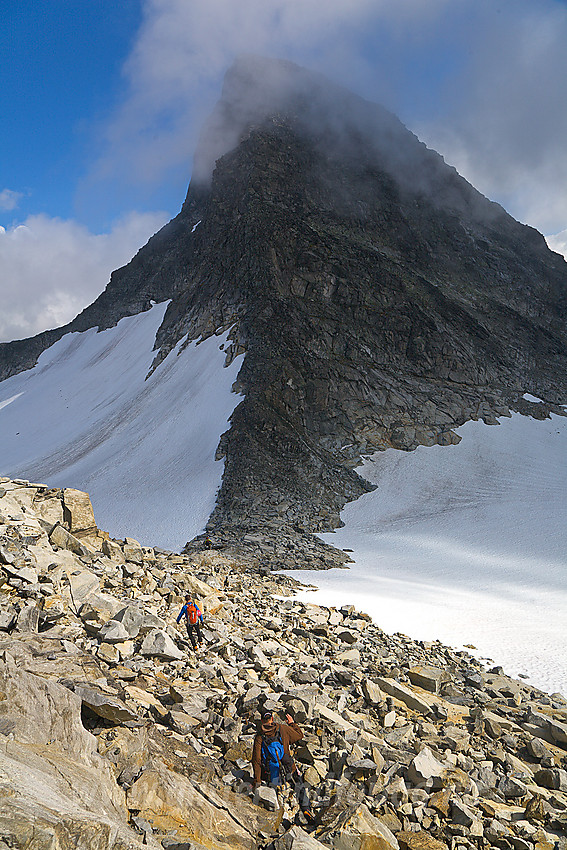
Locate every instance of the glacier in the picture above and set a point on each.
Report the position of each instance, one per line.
(466, 544)
(86, 416)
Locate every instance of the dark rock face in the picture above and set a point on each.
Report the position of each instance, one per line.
(379, 298)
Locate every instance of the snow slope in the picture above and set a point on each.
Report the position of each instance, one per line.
(85, 417)
(463, 543)
(467, 544)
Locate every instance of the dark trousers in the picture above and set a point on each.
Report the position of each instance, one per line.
(192, 630)
(288, 770)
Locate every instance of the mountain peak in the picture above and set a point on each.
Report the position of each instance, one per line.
(378, 299)
(261, 93)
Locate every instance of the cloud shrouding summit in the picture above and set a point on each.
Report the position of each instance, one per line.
(497, 112)
(183, 49)
(482, 83)
(52, 269)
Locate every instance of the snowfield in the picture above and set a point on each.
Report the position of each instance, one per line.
(144, 450)
(467, 544)
(463, 543)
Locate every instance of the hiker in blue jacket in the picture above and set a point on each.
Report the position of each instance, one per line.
(193, 620)
(272, 760)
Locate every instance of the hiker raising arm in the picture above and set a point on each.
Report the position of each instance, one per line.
(271, 748)
(272, 759)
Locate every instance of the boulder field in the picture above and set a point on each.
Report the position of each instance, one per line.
(114, 735)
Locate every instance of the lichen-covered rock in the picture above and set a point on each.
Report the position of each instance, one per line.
(195, 810)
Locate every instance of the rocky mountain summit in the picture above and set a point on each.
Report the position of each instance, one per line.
(378, 298)
(114, 735)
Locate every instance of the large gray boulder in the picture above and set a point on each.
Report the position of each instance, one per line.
(113, 632)
(133, 551)
(7, 619)
(82, 585)
(426, 770)
(358, 829)
(372, 693)
(266, 797)
(63, 539)
(55, 789)
(554, 778)
(427, 677)
(137, 621)
(40, 711)
(110, 707)
(196, 810)
(158, 643)
(78, 512)
(131, 617)
(97, 610)
(28, 618)
(404, 694)
(558, 732)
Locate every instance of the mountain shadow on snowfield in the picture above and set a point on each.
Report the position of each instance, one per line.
(380, 301)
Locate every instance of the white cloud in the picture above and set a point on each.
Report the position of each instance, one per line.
(500, 116)
(9, 199)
(175, 69)
(52, 269)
(558, 242)
(505, 130)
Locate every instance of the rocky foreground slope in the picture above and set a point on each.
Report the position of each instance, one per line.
(114, 735)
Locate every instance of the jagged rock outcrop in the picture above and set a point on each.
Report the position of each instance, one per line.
(102, 747)
(380, 300)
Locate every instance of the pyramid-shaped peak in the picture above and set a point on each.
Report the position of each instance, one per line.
(259, 91)
(376, 299)
(264, 95)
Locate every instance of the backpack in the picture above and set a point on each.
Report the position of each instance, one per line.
(192, 613)
(272, 754)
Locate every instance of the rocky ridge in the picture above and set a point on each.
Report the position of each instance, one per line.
(379, 299)
(113, 734)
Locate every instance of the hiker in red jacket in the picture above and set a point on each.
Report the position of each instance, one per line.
(193, 620)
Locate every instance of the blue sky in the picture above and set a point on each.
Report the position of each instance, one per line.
(101, 104)
(61, 76)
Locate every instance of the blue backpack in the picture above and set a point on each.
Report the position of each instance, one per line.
(272, 754)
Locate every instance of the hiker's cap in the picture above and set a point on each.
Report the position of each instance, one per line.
(266, 715)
